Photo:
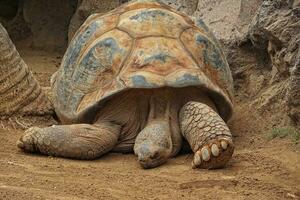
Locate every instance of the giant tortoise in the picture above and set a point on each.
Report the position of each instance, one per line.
(144, 78)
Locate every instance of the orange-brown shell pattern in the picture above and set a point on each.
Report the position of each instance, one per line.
(142, 44)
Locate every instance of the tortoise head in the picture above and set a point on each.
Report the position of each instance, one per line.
(153, 145)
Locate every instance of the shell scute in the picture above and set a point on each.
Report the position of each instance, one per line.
(102, 61)
(99, 66)
(75, 99)
(157, 55)
(152, 22)
(209, 58)
(96, 67)
(77, 45)
(94, 26)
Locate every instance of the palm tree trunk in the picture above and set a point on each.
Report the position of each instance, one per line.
(20, 93)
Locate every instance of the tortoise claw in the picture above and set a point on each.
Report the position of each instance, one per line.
(27, 141)
(214, 154)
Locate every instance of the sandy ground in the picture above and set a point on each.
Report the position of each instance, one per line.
(259, 169)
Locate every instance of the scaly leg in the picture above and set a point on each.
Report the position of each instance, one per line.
(79, 141)
(207, 134)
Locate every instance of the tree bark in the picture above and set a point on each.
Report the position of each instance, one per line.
(20, 93)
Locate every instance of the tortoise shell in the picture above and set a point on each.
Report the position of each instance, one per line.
(142, 44)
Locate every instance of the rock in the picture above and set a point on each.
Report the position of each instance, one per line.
(294, 92)
(247, 11)
(186, 6)
(256, 83)
(272, 41)
(48, 22)
(11, 17)
(220, 16)
(8, 8)
(276, 30)
(225, 18)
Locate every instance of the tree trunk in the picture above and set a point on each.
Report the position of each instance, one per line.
(20, 93)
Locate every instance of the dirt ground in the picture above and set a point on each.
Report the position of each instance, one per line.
(260, 168)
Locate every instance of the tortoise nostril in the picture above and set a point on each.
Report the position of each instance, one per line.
(155, 155)
(141, 158)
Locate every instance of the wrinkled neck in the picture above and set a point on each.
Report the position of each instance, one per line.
(163, 106)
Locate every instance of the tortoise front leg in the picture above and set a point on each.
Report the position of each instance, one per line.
(79, 141)
(207, 134)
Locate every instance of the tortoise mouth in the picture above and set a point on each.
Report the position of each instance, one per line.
(151, 155)
(152, 163)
